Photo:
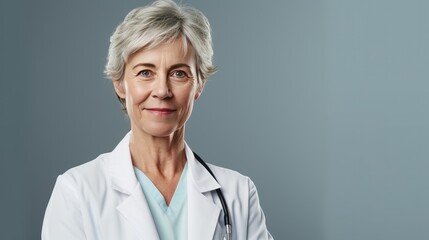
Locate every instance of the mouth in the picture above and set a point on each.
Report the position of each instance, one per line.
(160, 111)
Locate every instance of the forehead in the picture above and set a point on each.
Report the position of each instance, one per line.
(176, 51)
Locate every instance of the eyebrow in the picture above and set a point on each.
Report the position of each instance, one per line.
(179, 65)
(150, 65)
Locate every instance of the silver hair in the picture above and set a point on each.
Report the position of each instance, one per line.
(161, 22)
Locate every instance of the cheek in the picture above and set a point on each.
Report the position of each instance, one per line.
(136, 95)
(187, 100)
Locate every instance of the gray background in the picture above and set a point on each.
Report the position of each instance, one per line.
(325, 104)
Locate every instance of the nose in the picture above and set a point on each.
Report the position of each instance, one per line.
(162, 89)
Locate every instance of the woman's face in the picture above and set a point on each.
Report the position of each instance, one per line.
(160, 86)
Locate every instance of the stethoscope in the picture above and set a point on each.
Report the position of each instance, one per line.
(227, 218)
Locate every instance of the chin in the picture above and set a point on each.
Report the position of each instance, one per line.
(161, 131)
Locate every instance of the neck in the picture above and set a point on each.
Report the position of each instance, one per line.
(161, 156)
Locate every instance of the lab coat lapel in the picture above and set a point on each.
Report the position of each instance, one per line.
(134, 207)
(136, 211)
(203, 213)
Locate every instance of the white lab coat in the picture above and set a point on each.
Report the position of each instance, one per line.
(102, 200)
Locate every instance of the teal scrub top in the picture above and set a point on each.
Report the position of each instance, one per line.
(171, 220)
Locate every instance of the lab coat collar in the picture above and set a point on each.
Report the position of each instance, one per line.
(121, 168)
(203, 180)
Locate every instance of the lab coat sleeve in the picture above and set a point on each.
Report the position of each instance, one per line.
(63, 217)
(256, 228)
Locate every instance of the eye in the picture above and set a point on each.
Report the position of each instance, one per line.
(145, 73)
(178, 74)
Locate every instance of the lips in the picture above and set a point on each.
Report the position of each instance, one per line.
(161, 110)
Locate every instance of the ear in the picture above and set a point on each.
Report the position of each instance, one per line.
(119, 88)
(200, 89)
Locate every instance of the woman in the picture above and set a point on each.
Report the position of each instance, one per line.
(152, 186)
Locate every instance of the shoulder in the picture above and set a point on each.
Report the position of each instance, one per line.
(226, 174)
(87, 177)
(233, 182)
(89, 170)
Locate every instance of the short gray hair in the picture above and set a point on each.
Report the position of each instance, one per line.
(161, 22)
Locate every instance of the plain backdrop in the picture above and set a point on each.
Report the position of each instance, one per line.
(323, 103)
